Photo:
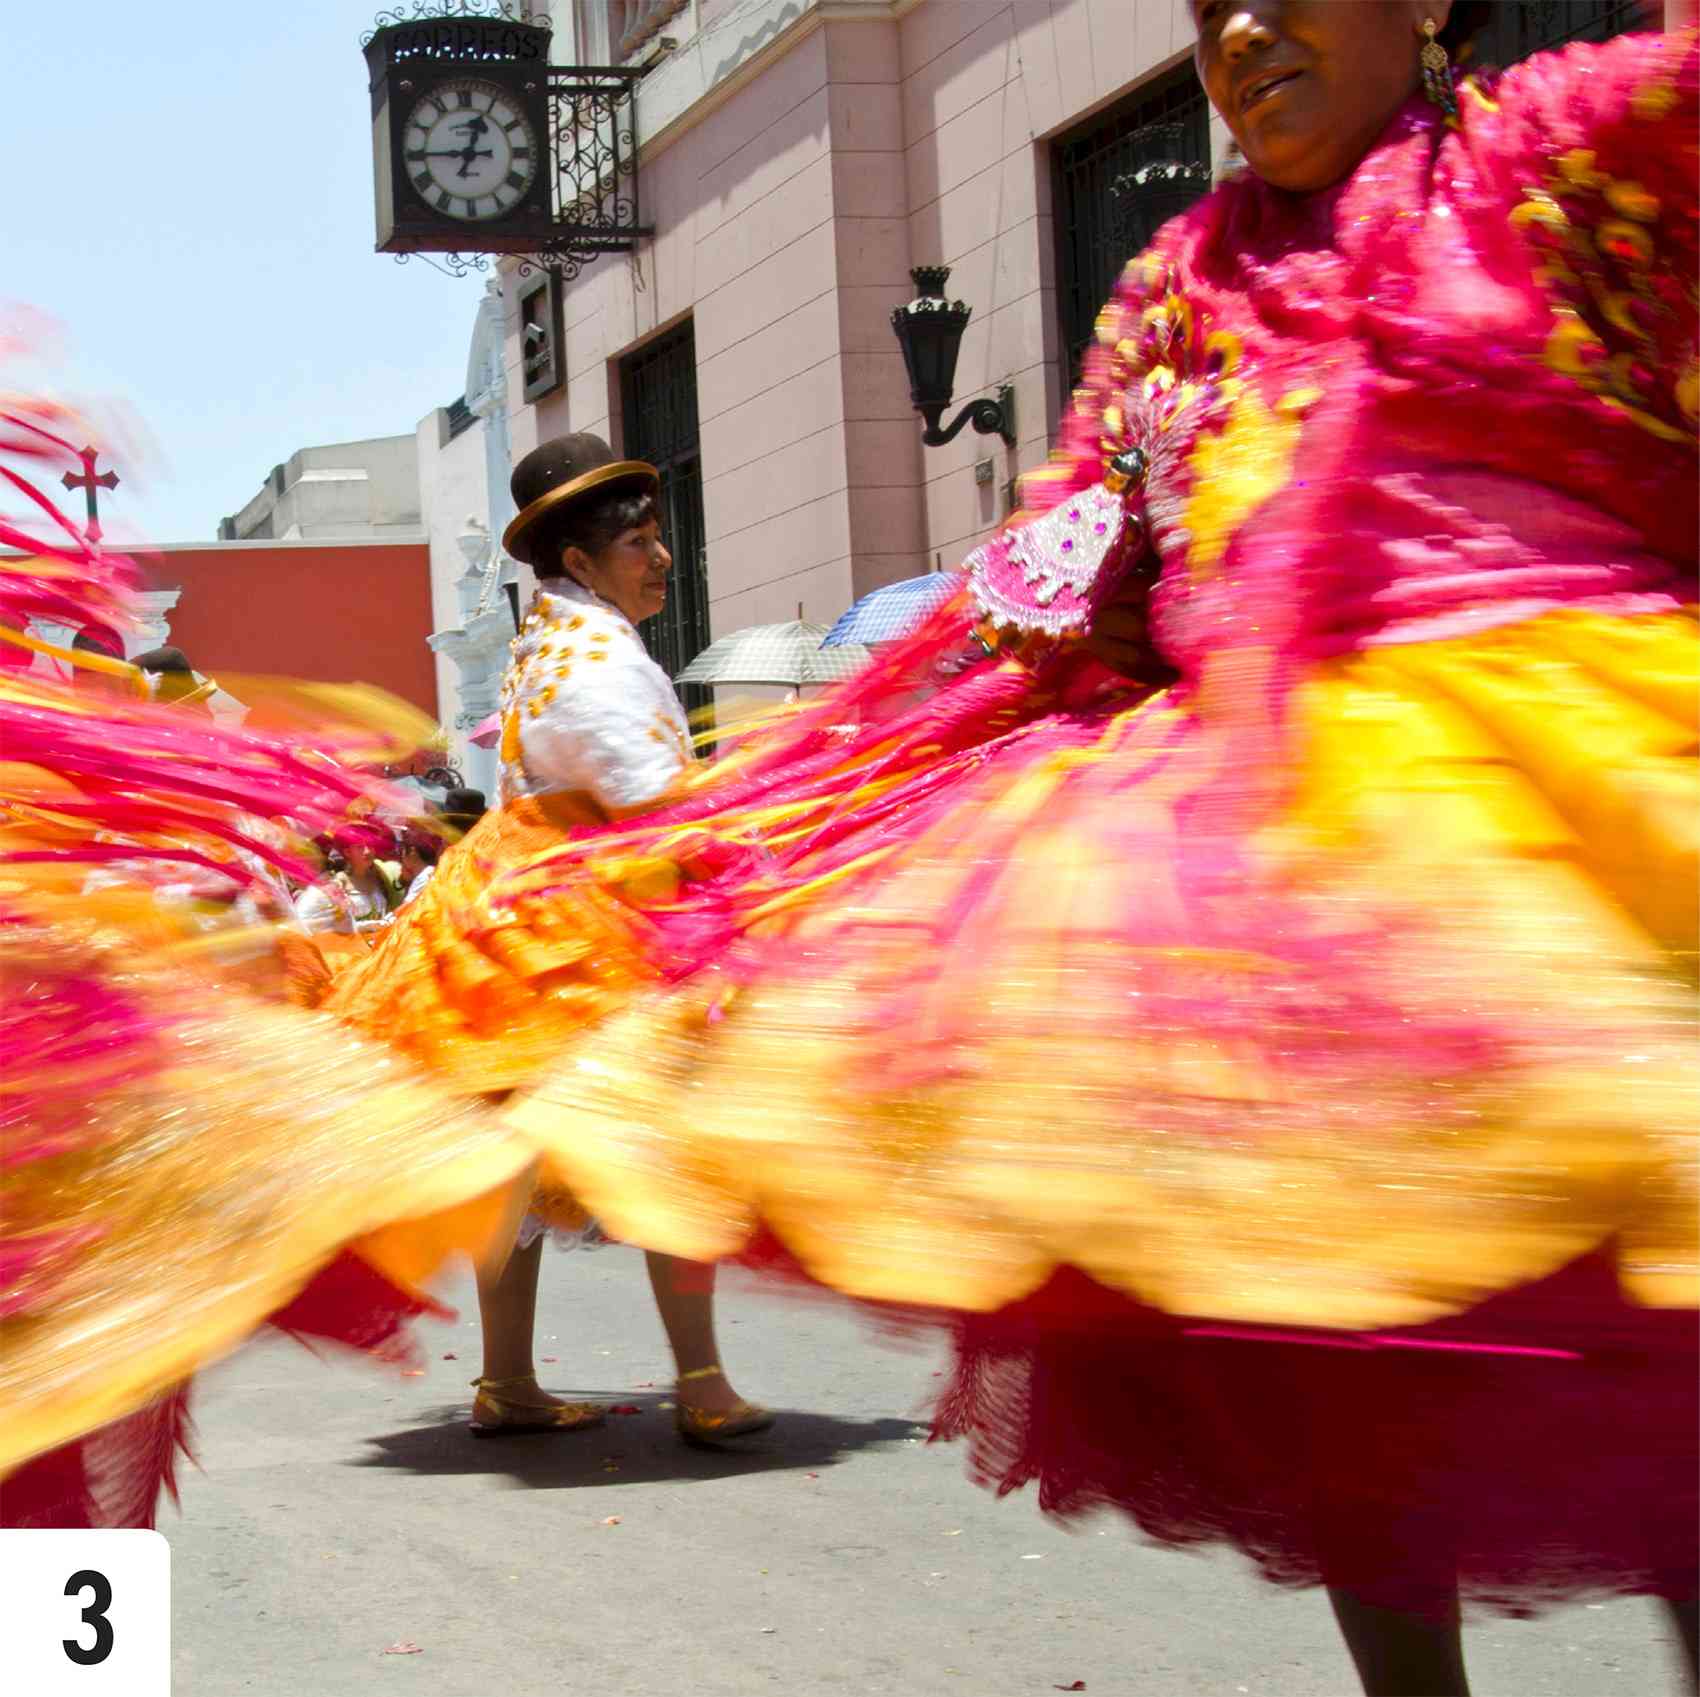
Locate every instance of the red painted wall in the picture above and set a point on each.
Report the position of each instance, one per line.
(331, 612)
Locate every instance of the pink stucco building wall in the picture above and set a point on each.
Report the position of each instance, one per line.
(798, 157)
(817, 151)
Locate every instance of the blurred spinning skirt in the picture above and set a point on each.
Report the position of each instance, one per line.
(485, 993)
(1347, 1067)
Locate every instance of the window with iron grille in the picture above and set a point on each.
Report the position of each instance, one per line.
(1529, 26)
(1119, 179)
(658, 403)
(540, 335)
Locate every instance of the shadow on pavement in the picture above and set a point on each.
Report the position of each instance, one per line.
(631, 1449)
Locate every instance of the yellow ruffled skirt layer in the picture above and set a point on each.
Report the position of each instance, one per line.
(204, 1158)
(487, 995)
(1353, 1039)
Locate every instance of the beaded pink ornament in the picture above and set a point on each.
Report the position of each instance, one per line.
(1052, 573)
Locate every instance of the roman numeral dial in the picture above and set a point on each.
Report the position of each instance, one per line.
(470, 150)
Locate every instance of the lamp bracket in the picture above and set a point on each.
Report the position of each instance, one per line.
(989, 418)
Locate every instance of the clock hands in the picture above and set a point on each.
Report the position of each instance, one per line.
(451, 117)
(473, 129)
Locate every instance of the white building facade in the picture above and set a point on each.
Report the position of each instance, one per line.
(465, 455)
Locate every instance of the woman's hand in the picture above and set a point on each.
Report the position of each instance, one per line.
(1120, 637)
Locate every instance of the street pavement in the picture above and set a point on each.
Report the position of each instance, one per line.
(340, 1514)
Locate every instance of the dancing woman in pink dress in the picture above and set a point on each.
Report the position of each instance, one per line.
(1286, 1071)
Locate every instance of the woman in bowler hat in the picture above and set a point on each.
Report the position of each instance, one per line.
(489, 992)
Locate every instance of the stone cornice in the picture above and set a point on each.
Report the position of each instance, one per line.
(785, 39)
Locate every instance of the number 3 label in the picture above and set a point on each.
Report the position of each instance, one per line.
(94, 1615)
(86, 1613)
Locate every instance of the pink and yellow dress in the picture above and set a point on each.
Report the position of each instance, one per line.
(1288, 1072)
(183, 1158)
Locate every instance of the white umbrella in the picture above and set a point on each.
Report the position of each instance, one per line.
(789, 656)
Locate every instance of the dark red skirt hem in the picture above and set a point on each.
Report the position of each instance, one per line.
(1537, 1450)
(116, 1476)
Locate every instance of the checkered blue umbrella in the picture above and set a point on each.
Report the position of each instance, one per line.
(789, 655)
(886, 614)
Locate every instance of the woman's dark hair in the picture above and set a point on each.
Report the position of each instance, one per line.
(86, 642)
(591, 525)
(164, 660)
(426, 844)
(1469, 18)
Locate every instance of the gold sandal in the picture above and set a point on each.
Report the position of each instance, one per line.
(709, 1428)
(497, 1416)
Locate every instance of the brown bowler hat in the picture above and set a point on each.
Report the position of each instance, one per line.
(551, 478)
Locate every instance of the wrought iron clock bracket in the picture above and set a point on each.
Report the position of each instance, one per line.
(592, 142)
(568, 255)
(566, 260)
(454, 264)
(989, 418)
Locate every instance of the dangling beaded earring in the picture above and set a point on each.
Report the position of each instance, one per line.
(1437, 71)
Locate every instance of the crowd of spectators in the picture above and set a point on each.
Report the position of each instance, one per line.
(373, 869)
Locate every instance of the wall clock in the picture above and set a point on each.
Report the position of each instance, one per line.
(470, 149)
(460, 133)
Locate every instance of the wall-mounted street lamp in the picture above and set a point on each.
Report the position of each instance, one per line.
(929, 330)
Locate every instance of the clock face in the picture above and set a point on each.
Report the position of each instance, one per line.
(470, 150)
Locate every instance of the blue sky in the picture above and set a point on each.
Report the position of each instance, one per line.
(188, 193)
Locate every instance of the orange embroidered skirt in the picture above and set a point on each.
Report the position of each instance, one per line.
(487, 993)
